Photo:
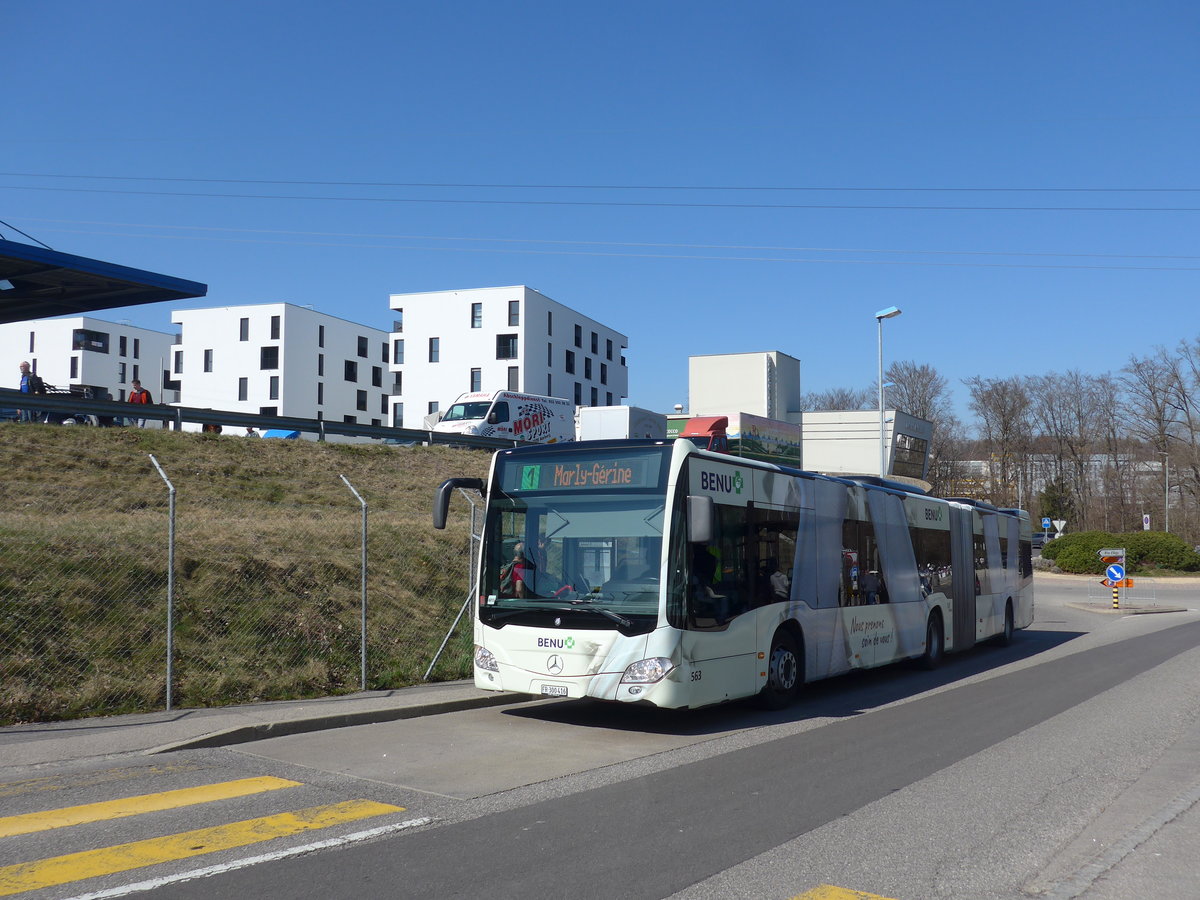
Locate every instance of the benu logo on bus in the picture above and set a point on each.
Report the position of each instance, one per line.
(556, 643)
(725, 484)
(933, 514)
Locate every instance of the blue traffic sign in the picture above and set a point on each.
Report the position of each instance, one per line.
(1046, 524)
(1115, 572)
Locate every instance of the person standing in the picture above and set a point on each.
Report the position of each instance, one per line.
(139, 395)
(31, 384)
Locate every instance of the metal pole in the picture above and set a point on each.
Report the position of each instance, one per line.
(362, 652)
(1167, 492)
(170, 579)
(471, 589)
(882, 446)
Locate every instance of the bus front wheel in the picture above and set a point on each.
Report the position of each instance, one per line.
(785, 672)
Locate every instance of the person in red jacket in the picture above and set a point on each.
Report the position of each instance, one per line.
(139, 395)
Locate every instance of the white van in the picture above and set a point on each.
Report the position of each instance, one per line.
(507, 414)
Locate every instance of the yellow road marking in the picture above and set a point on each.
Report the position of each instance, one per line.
(132, 806)
(832, 892)
(63, 782)
(32, 876)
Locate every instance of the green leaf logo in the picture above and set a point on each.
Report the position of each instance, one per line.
(737, 483)
(569, 643)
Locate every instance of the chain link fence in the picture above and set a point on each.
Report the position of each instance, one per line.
(266, 580)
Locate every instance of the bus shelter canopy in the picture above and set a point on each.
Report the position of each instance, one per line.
(36, 283)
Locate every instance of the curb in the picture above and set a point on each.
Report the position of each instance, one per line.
(245, 734)
(1126, 610)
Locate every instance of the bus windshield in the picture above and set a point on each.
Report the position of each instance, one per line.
(575, 534)
(476, 410)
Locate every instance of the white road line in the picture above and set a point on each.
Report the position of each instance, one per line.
(205, 872)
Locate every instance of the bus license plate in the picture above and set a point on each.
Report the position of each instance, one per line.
(554, 690)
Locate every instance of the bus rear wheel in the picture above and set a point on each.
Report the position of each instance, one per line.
(785, 672)
(935, 643)
(1005, 637)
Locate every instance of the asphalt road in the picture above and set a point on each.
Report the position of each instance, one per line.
(997, 776)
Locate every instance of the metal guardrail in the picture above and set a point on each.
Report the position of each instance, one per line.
(174, 417)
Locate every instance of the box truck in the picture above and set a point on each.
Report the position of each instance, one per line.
(508, 414)
(602, 423)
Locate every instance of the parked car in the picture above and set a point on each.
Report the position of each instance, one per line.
(1041, 539)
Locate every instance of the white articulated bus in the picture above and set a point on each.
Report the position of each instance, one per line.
(656, 572)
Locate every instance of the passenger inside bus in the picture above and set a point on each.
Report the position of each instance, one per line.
(706, 602)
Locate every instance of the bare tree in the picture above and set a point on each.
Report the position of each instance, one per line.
(840, 398)
(920, 391)
(1002, 406)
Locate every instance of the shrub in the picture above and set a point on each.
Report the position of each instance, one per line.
(1078, 553)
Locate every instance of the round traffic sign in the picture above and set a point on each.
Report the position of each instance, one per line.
(1115, 572)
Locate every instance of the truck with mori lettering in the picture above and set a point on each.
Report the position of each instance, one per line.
(508, 414)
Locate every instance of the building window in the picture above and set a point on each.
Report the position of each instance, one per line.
(363, 347)
(32, 337)
(578, 394)
(243, 329)
(476, 315)
(320, 393)
(604, 373)
(137, 375)
(121, 374)
(243, 388)
(587, 368)
(595, 342)
(579, 336)
(549, 385)
(178, 362)
(274, 328)
(549, 356)
(549, 322)
(570, 362)
(320, 335)
(398, 415)
(435, 349)
(514, 378)
(506, 346)
(398, 351)
(383, 348)
(476, 380)
(377, 376)
(350, 372)
(84, 339)
(398, 322)
(383, 403)
(361, 400)
(207, 360)
(433, 407)
(398, 384)
(268, 410)
(514, 313)
(595, 398)
(273, 388)
(350, 420)
(137, 348)
(74, 367)
(268, 358)
(121, 345)
(320, 365)
(608, 349)
(608, 399)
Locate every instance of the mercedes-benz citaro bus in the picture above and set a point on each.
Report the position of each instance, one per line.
(648, 571)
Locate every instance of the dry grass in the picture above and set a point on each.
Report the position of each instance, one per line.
(267, 589)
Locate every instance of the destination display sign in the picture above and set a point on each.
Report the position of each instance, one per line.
(580, 473)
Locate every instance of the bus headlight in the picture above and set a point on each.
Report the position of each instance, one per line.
(648, 671)
(485, 660)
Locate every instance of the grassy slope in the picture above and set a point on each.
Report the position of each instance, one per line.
(267, 568)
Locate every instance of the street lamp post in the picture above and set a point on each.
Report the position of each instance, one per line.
(1166, 490)
(890, 313)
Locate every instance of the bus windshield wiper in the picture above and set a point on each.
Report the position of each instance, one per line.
(607, 613)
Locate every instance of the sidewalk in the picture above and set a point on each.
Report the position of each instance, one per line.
(158, 732)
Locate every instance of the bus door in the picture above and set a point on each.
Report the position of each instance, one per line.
(962, 533)
(720, 641)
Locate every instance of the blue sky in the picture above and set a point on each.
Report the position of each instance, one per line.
(704, 177)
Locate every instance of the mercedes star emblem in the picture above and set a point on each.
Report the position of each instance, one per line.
(554, 665)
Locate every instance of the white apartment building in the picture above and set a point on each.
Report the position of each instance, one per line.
(81, 352)
(445, 343)
(763, 384)
(284, 360)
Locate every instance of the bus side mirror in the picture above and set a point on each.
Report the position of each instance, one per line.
(492, 418)
(441, 500)
(700, 519)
